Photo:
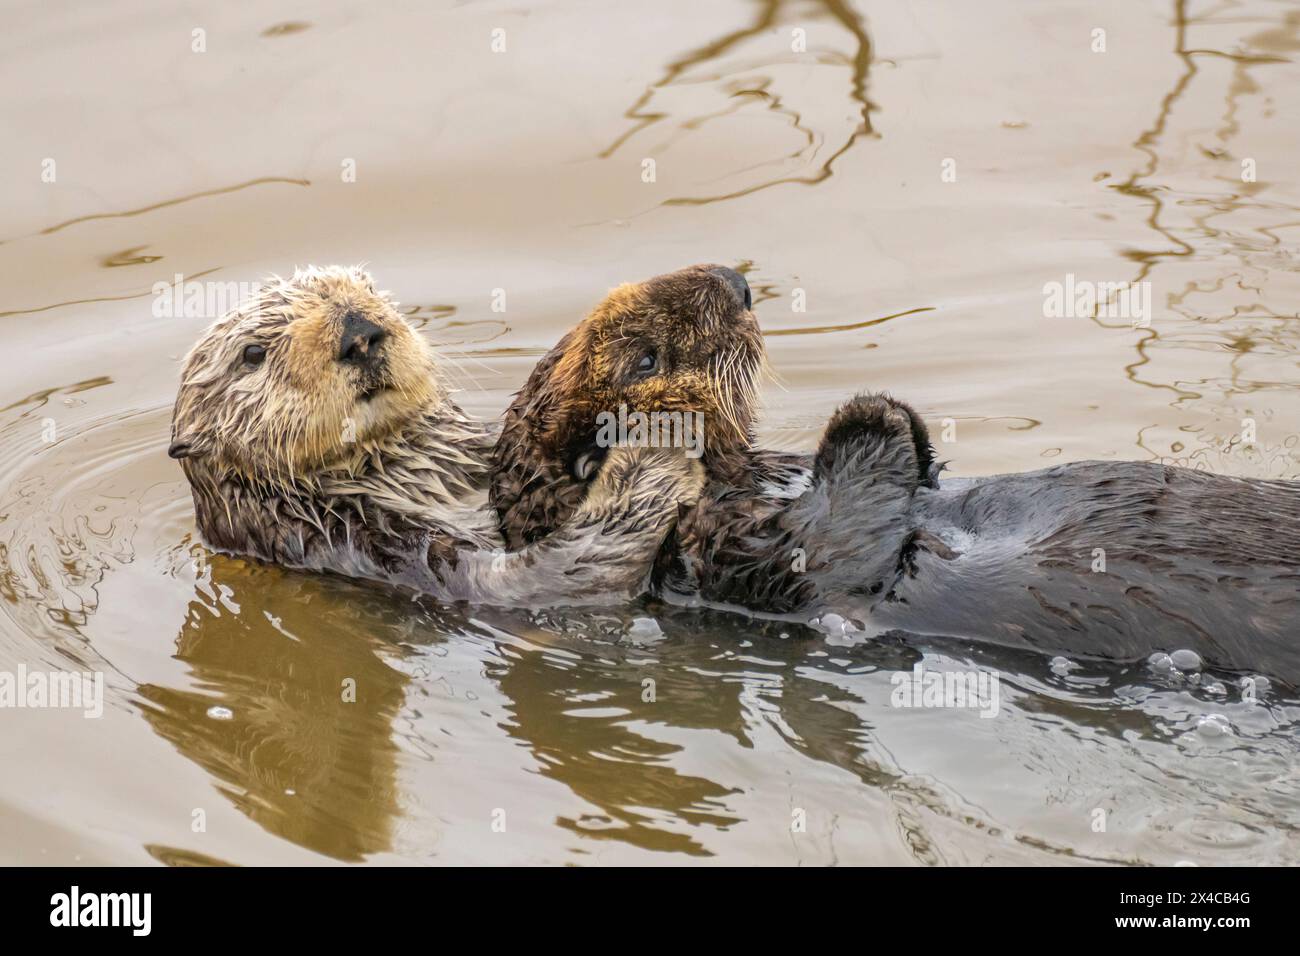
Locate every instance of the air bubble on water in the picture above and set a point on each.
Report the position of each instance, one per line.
(1061, 666)
(839, 631)
(1215, 725)
(220, 713)
(1186, 660)
(1161, 663)
(1214, 687)
(645, 629)
(831, 623)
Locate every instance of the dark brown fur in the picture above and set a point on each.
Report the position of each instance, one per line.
(709, 351)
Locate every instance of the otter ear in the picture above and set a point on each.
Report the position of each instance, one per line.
(569, 374)
(562, 393)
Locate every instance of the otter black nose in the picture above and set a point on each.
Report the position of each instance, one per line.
(737, 283)
(360, 342)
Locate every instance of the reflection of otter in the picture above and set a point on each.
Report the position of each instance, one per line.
(603, 718)
(314, 433)
(628, 775)
(296, 756)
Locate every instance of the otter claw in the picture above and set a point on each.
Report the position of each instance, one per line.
(588, 463)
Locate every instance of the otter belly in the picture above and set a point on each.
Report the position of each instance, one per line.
(1112, 559)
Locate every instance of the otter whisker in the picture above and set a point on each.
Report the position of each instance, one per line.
(456, 367)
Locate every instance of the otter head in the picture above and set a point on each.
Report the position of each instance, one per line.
(300, 377)
(686, 342)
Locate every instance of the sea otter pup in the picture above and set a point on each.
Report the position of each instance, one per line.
(1115, 559)
(314, 432)
(685, 343)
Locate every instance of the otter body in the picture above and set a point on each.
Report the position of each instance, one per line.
(1096, 559)
(1182, 559)
(389, 511)
(1109, 559)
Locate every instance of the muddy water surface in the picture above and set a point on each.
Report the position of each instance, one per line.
(899, 190)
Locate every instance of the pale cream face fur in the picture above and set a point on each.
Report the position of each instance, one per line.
(302, 408)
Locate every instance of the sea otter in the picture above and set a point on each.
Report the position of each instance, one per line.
(315, 433)
(1104, 559)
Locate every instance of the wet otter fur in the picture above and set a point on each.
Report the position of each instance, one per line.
(315, 433)
(864, 528)
(1093, 559)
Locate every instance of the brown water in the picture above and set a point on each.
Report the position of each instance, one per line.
(820, 171)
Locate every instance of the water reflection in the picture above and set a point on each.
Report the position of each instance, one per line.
(1216, 270)
(583, 722)
(671, 730)
(625, 721)
(179, 200)
(739, 86)
(102, 298)
(293, 716)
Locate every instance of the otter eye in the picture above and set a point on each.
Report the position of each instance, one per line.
(254, 355)
(648, 365)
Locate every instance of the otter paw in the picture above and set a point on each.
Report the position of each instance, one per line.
(872, 421)
(632, 473)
